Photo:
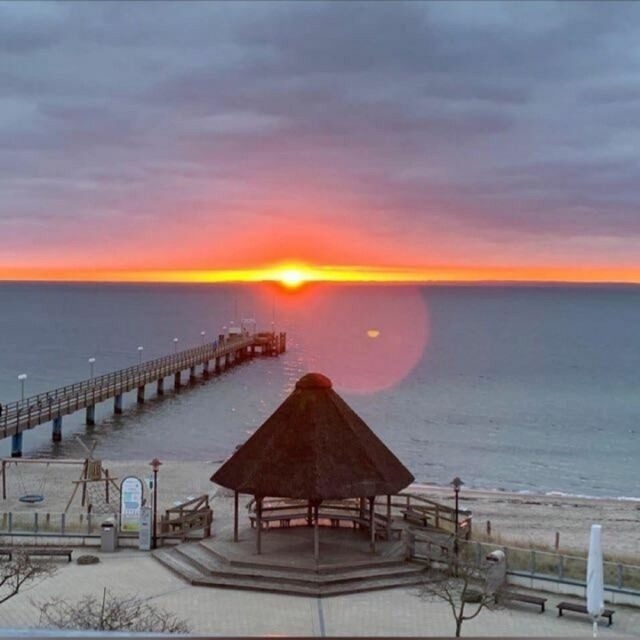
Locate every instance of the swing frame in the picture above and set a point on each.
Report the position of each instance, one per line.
(16, 461)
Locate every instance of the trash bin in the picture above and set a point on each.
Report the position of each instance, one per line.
(496, 571)
(108, 537)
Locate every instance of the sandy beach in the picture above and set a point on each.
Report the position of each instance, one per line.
(515, 518)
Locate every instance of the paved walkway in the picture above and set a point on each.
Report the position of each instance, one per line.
(396, 612)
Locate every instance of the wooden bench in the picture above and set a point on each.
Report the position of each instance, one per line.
(8, 553)
(30, 552)
(283, 519)
(524, 597)
(581, 608)
(415, 516)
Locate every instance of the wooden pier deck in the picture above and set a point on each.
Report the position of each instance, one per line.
(51, 406)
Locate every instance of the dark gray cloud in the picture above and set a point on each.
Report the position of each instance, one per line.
(505, 129)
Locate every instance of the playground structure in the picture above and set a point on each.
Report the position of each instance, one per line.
(96, 485)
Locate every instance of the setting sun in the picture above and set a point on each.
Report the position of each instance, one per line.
(292, 278)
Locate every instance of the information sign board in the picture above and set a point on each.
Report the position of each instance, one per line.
(131, 494)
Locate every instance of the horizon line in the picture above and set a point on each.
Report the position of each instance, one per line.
(294, 273)
(371, 282)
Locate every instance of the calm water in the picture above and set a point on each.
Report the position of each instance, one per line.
(514, 388)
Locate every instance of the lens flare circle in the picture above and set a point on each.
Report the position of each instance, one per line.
(363, 338)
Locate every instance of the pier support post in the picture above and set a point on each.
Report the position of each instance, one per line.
(161, 386)
(16, 445)
(117, 404)
(253, 351)
(205, 369)
(56, 432)
(217, 366)
(140, 396)
(176, 381)
(192, 374)
(227, 360)
(91, 415)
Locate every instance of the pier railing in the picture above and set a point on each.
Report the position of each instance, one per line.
(43, 407)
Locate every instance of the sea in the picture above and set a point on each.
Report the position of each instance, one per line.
(511, 388)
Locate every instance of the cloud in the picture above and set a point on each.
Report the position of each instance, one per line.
(495, 130)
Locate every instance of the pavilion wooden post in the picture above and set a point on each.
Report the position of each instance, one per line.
(388, 517)
(235, 516)
(316, 534)
(259, 524)
(372, 524)
(309, 514)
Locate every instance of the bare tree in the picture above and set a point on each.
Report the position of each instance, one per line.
(464, 588)
(111, 612)
(18, 572)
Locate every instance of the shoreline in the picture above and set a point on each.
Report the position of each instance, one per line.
(517, 518)
(553, 493)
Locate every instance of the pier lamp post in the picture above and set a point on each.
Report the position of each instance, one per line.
(22, 377)
(202, 335)
(224, 331)
(456, 483)
(155, 467)
(91, 363)
(140, 350)
(175, 345)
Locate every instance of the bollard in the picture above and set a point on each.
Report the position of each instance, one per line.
(56, 432)
(16, 445)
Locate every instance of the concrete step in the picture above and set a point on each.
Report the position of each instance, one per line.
(178, 564)
(319, 590)
(207, 563)
(210, 545)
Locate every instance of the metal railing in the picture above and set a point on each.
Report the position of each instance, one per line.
(43, 407)
(529, 563)
(47, 524)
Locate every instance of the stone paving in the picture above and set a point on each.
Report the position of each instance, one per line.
(396, 612)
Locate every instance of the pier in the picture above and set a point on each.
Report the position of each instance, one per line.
(51, 406)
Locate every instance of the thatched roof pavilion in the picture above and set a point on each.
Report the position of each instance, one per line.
(313, 447)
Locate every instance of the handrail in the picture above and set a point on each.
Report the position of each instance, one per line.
(34, 410)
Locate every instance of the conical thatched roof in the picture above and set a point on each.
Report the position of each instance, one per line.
(314, 447)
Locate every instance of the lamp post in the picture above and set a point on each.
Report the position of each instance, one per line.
(175, 345)
(140, 350)
(22, 377)
(202, 335)
(456, 483)
(155, 466)
(91, 363)
(224, 331)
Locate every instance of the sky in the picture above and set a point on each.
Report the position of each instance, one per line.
(391, 140)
